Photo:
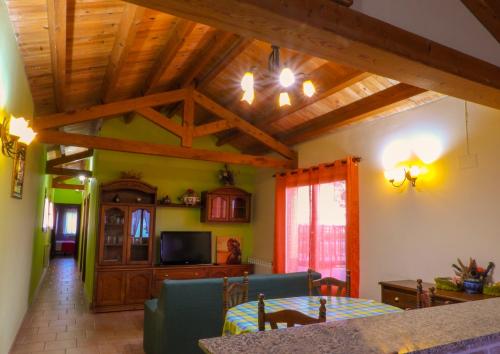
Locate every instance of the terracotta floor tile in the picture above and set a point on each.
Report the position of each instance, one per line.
(59, 322)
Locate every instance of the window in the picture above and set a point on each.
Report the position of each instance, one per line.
(317, 243)
(316, 221)
(70, 222)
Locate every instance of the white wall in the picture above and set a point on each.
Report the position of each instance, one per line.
(447, 22)
(413, 232)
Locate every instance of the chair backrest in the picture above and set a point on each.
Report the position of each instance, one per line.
(290, 317)
(342, 287)
(234, 294)
(425, 298)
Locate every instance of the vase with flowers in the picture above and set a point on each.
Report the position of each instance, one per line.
(472, 276)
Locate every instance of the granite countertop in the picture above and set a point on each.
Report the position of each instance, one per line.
(442, 329)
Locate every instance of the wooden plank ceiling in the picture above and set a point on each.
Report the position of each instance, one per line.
(86, 53)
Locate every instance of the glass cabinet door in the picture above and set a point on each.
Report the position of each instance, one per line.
(140, 238)
(217, 208)
(113, 235)
(239, 208)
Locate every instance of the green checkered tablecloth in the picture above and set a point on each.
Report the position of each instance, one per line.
(243, 318)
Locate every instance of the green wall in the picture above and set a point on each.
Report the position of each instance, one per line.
(19, 240)
(68, 196)
(171, 176)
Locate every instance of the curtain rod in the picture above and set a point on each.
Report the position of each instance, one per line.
(344, 161)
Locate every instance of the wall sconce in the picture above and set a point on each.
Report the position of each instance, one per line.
(398, 176)
(13, 131)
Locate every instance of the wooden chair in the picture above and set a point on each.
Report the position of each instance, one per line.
(424, 298)
(330, 283)
(234, 294)
(290, 317)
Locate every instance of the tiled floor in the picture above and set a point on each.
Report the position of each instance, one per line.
(58, 322)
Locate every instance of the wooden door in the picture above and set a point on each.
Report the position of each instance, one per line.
(140, 235)
(217, 207)
(110, 288)
(113, 234)
(239, 209)
(138, 286)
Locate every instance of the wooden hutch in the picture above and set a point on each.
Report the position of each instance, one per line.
(125, 273)
(226, 205)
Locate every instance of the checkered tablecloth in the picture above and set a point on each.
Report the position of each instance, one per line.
(243, 318)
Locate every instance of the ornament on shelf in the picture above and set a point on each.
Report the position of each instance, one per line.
(190, 197)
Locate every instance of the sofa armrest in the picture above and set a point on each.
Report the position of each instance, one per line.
(153, 321)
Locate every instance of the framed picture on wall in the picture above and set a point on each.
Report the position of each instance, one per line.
(18, 172)
(228, 249)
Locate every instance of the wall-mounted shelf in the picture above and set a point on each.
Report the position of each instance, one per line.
(178, 205)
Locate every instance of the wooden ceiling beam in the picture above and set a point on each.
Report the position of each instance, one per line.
(67, 171)
(162, 121)
(139, 147)
(78, 187)
(351, 113)
(326, 86)
(57, 18)
(60, 179)
(131, 17)
(244, 126)
(488, 13)
(107, 110)
(178, 34)
(212, 49)
(327, 30)
(70, 158)
(211, 128)
(188, 120)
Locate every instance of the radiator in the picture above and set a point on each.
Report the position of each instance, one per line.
(261, 266)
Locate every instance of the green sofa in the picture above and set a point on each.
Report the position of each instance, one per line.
(189, 310)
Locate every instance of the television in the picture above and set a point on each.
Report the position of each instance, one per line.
(185, 247)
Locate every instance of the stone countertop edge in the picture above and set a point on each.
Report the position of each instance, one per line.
(443, 329)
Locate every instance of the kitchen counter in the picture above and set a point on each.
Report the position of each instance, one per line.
(458, 328)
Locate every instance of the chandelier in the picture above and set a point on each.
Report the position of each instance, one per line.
(284, 76)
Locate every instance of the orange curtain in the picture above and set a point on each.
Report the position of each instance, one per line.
(316, 221)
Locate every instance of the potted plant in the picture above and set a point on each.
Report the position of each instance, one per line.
(473, 276)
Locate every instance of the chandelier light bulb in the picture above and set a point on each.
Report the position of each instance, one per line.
(287, 78)
(247, 82)
(308, 88)
(248, 96)
(284, 99)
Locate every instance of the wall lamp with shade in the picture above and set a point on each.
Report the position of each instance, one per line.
(398, 176)
(14, 131)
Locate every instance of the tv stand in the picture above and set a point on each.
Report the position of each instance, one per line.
(199, 271)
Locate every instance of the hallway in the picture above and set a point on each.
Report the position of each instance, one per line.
(59, 322)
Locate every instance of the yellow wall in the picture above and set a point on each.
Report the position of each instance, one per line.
(412, 232)
(18, 218)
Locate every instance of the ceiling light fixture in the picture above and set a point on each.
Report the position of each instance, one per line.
(284, 76)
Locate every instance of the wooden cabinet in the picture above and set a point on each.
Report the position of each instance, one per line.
(110, 288)
(403, 294)
(226, 205)
(197, 272)
(126, 239)
(138, 286)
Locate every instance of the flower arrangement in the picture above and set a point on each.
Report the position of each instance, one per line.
(226, 176)
(472, 277)
(190, 197)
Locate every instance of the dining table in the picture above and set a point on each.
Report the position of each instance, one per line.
(243, 318)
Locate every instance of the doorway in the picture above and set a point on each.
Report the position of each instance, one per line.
(66, 231)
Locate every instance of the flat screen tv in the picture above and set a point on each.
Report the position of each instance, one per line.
(186, 247)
